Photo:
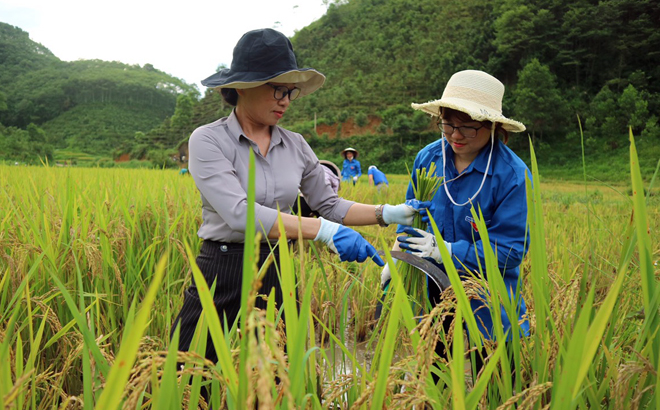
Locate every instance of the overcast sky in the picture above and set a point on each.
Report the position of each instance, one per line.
(187, 39)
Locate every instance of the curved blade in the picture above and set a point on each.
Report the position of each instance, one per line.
(436, 274)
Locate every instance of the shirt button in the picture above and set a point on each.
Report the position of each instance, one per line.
(223, 248)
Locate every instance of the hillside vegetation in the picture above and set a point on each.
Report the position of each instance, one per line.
(569, 66)
(87, 105)
(561, 61)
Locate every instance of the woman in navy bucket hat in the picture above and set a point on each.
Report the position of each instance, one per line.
(263, 56)
(261, 83)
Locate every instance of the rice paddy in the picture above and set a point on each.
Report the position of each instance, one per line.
(94, 262)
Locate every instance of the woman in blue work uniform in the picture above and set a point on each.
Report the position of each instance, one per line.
(351, 169)
(479, 170)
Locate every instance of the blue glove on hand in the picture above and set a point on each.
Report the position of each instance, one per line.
(350, 245)
(423, 243)
(403, 214)
(424, 212)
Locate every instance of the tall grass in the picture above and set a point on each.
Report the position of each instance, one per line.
(93, 264)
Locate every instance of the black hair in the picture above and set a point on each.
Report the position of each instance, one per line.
(230, 95)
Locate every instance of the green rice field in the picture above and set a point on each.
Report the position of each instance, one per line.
(94, 262)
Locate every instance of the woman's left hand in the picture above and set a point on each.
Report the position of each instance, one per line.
(346, 242)
(403, 214)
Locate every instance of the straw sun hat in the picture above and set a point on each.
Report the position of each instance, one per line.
(263, 56)
(349, 149)
(475, 93)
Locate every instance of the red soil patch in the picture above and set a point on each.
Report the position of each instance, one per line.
(123, 158)
(349, 128)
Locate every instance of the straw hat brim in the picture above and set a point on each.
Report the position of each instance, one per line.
(476, 111)
(353, 150)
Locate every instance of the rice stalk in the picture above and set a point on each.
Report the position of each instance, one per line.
(425, 183)
(73, 287)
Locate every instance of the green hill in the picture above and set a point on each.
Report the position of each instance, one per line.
(570, 67)
(87, 105)
(378, 53)
(102, 128)
(567, 66)
(19, 54)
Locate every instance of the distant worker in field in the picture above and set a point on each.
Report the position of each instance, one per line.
(377, 177)
(183, 171)
(479, 171)
(351, 169)
(261, 83)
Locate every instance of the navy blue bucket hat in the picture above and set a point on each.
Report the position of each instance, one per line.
(263, 56)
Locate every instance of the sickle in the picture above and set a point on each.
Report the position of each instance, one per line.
(436, 274)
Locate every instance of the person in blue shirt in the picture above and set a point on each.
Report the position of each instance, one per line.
(479, 170)
(377, 177)
(351, 169)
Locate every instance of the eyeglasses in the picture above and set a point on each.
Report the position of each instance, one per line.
(467, 132)
(282, 91)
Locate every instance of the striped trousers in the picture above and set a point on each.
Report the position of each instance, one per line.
(223, 263)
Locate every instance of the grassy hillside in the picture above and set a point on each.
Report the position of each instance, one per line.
(86, 105)
(102, 128)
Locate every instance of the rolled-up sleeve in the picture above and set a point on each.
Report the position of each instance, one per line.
(224, 194)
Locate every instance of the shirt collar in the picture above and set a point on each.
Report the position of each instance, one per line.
(236, 131)
(234, 127)
(276, 136)
(479, 163)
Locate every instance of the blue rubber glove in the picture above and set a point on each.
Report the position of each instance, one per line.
(350, 245)
(422, 243)
(403, 214)
(424, 212)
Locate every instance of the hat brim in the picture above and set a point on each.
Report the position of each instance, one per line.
(307, 79)
(475, 111)
(355, 153)
(335, 169)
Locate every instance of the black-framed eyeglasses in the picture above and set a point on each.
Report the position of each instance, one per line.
(467, 132)
(282, 91)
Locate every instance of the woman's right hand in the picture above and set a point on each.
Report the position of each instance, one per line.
(403, 214)
(346, 242)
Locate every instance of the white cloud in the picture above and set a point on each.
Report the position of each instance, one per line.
(186, 39)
